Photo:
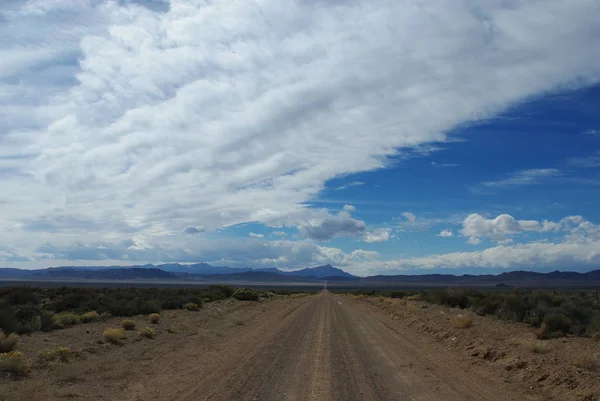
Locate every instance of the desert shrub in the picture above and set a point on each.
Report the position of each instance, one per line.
(596, 336)
(128, 324)
(114, 336)
(154, 318)
(415, 297)
(225, 290)
(8, 342)
(65, 320)
(556, 322)
(90, 317)
(463, 321)
(245, 294)
(60, 354)
(105, 316)
(148, 332)
(13, 362)
(268, 295)
(191, 306)
(46, 320)
(398, 294)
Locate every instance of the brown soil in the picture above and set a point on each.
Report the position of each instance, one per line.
(320, 347)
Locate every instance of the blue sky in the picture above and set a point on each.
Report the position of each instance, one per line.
(388, 137)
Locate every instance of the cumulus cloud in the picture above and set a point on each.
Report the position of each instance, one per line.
(340, 225)
(411, 218)
(349, 208)
(523, 177)
(251, 234)
(280, 233)
(377, 235)
(476, 227)
(446, 233)
(235, 112)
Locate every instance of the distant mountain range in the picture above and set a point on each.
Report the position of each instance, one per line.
(204, 273)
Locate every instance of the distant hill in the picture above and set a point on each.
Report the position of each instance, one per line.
(206, 273)
(320, 272)
(106, 274)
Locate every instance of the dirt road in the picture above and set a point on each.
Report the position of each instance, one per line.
(319, 347)
(331, 348)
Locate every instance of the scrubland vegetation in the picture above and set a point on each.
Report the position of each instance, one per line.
(554, 313)
(26, 309)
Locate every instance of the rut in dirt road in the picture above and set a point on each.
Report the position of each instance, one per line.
(330, 348)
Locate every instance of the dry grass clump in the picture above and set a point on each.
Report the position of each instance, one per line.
(90, 317)
(148, 332)
(8, 342)
(128, 324)
(191, 306)
(65, 320)
(596, 336)
(60, 354)
(154, 318)
(114, 336)
(463, 321)
(13, 362)
(537, 347)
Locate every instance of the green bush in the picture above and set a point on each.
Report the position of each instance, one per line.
(60, 354)
(128, 324)
(14, 363)
(65, 320)
(8, 342)
(245, 294)
(90, 317)
(154, 318)
(46, 320)
(105, 316)
(192, 306)
(556, 322)
(148, 332)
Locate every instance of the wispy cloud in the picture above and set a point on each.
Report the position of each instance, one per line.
(350, 185)
(444, 164)
(591, 132)
(523, 177)
(585, 162)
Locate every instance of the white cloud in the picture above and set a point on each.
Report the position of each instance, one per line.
(523, 177)
(251, 234)
(476, 226)
(350, 185)
(235, 112)
(586, 162)
(349, 208)
(446, 233)
(445, 164)
(324, 229)
(377, 235)
(591, 132)
(194, 230)
(409, 216)
(280, 233)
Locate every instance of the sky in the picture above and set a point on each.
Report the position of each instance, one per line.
(382, 137)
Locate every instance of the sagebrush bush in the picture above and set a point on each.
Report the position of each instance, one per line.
(13, 362)
(90, 317)
(128, 324)
(105, 316)
(60, 354)
(8, 342)
(148, 332)
(463, 321)
(46, 320)
(154, 318)
(245, 294)
(114, 336)
(191, 306)
(65, 320)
